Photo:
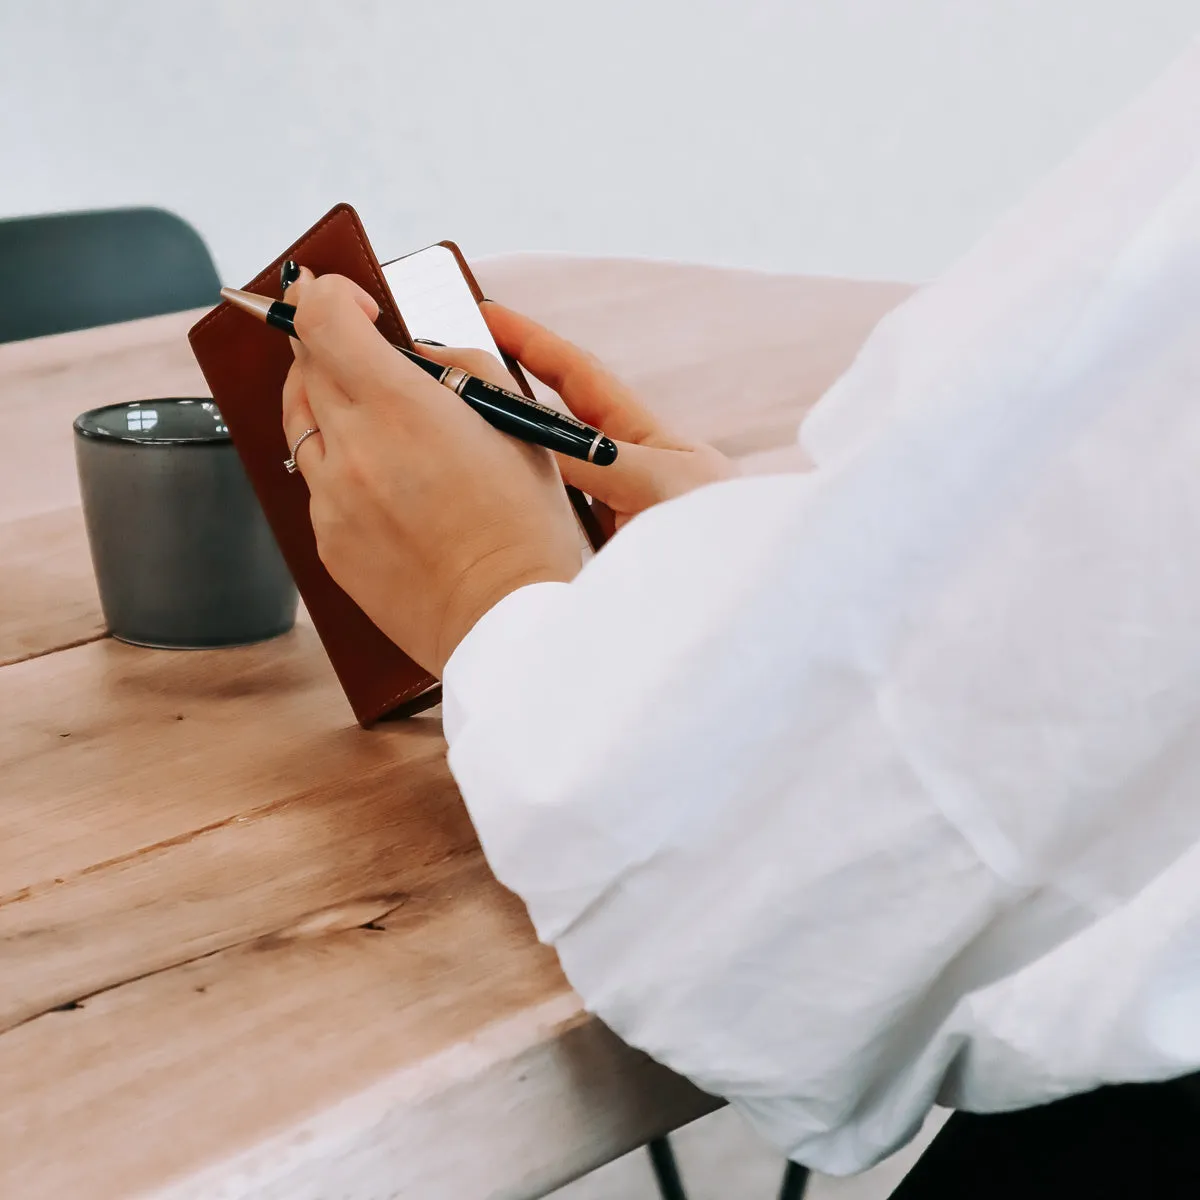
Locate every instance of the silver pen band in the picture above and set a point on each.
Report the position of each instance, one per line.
(455, 378)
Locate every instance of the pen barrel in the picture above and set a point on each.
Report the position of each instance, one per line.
(529, 420)
(512, 414)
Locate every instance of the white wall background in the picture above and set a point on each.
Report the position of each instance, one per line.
(858, 137)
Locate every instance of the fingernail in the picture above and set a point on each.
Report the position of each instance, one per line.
(288, 274)
(429, 342)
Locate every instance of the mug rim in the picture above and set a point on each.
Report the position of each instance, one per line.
(146, 437)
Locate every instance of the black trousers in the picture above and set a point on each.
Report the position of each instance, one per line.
(1134, 1142)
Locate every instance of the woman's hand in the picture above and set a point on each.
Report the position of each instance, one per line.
(652, 464)
(423, 513)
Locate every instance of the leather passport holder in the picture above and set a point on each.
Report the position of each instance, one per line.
(245, 363)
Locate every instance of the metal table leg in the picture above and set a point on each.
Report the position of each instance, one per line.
(666, 1170)
(795, 1182)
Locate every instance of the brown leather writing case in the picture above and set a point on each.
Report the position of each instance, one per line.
(245, 363)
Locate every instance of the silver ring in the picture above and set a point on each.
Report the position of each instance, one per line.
(290, 463)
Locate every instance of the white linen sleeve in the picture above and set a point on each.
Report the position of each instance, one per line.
(801, 768)
(680, 764)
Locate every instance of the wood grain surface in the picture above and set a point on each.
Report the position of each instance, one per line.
(248, 949)
(48, 600)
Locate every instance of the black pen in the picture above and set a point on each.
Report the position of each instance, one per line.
(510, 413)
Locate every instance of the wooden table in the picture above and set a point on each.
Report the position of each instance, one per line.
(247, 948)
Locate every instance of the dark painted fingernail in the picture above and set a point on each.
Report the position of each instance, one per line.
(429, 342)
(288, 274)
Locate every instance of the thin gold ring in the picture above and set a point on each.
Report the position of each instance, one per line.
(290, 463)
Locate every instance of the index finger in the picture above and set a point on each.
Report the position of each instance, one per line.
(321, 398)
(591, 392)
(341, 340)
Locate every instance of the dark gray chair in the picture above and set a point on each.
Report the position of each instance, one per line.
(75, 270)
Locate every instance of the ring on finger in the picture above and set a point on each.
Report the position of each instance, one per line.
(290, 463)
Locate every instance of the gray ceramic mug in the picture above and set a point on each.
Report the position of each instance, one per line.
(184, 557)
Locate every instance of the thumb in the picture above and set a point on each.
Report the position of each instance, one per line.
(641, 476)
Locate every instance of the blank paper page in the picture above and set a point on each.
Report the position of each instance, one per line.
(435, 301)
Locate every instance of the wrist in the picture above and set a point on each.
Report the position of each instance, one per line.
(478, 591)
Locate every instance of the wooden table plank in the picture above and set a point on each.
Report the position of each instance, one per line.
(49, 598)
(107, 748)
(438, 1056)
(298, 824)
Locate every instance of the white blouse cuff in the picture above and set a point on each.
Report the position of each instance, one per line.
(478, 675)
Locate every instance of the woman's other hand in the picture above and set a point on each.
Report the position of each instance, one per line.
(423, 513)
(653, 464)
